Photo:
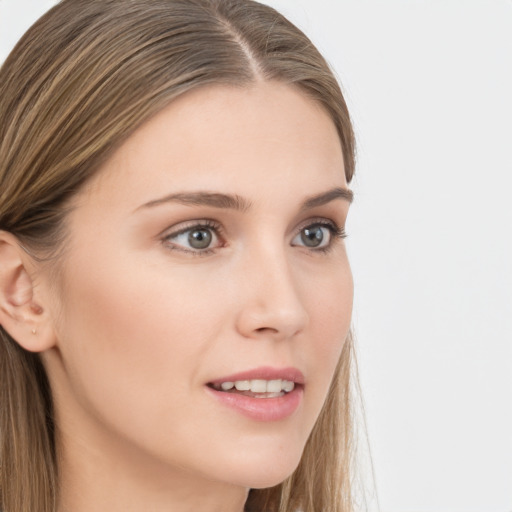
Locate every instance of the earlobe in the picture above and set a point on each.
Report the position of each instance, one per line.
(20, 314)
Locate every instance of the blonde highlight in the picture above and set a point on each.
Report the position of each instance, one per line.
(79, 82)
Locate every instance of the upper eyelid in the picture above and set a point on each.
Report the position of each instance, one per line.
(167, 235)
(337, 231)
(182, 227)
(316, 220)
(323, 221)
(217, 226)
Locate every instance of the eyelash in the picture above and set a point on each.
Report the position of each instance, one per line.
(337, 233)
(197, 225)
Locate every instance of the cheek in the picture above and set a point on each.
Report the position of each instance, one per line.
(330, 310)
(137, 314)
(130, 340)
(329, 303)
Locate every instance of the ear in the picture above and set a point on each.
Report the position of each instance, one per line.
(21, 313)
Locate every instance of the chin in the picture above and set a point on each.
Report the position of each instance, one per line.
(261, 474)
(265, 482)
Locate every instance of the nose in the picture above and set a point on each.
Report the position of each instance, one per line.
(271, 305)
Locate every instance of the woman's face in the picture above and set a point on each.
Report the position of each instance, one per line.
(206, 251)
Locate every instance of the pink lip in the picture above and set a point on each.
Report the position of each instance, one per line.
(262, 409)
(264, 373)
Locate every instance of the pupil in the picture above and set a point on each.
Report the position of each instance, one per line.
(200, 238)
(312, 237)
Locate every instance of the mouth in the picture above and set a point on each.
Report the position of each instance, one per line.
(263, 394)
(256, 388)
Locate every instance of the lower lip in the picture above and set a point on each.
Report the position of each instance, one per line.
(261, 409)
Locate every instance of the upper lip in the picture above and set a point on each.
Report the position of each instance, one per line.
(264, 373)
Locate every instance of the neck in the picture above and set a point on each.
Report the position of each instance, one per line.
(110, 477)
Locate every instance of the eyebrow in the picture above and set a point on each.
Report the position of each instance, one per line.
(326, 197)
(214, 199)
(238, 203)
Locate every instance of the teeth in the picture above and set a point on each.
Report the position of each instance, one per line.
(274, 386)
(258, 386)
(243, 385)
(288, 386)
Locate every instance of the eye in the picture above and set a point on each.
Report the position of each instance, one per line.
(319, 235)
(199, 238)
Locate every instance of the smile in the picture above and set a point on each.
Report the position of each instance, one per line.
(263, 394)
(257, 388)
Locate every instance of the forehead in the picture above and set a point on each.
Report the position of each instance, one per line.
(222, 137)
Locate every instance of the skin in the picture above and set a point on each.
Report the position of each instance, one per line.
(140, 322)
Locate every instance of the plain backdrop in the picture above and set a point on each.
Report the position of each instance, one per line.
(429, 86)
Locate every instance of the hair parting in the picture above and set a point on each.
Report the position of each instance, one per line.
(82, 79)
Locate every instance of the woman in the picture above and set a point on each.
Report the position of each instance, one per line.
(175, 295)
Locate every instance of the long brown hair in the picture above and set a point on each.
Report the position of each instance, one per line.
(79, 82)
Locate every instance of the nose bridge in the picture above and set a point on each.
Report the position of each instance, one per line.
(272, 304)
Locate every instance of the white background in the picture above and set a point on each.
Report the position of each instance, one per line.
(429, 85)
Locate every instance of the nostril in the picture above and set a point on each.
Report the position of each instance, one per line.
(267, 329)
